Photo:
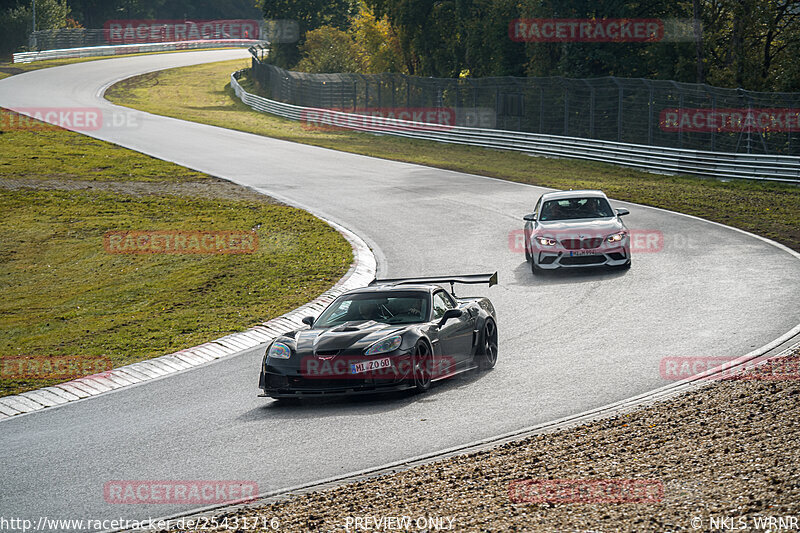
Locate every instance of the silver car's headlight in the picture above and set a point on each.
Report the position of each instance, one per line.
(278, 350)
(546, 241)
(388, 344)
(617, 237)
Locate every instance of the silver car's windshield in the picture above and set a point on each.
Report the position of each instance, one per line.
(575, 208)
(387, 307)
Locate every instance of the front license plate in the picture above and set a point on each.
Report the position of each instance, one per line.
(583, 252)
(367, 366)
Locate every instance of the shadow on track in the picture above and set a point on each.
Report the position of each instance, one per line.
(362, 405)
(565, 276)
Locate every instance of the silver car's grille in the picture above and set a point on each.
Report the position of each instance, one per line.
(582, 244)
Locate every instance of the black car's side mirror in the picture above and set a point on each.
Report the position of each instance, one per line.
(622, 212)
(450, 313)
(309, 320)
(530, 218)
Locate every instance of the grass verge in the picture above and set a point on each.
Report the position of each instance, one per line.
(64, 295)
(203, 94)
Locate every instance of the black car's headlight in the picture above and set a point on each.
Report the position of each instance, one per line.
(389, 344)
(278, 350)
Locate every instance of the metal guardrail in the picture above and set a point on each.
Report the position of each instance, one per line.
(649, 158)
(663, 113)
(95, 51)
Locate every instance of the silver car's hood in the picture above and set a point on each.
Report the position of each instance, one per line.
(581, 227)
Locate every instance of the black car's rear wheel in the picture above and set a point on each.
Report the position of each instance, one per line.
(422, 366)
(487, 356)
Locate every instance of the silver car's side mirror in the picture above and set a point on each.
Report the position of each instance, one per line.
(529, 218)
(622, 212)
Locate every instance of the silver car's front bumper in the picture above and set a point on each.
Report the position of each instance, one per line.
(554, 257)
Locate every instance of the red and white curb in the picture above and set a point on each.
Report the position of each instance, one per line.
(362, 271)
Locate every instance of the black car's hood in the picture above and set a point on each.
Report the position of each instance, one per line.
(350, 335)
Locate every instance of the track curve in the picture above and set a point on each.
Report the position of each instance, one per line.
(568, 343)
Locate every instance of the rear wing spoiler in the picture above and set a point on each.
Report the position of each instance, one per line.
(469, 279)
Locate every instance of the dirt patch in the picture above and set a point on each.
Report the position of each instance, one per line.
(209, 188)
(11, 70)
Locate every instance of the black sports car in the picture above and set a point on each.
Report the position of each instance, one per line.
(395, 334)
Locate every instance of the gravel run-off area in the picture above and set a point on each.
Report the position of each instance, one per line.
(722, 457)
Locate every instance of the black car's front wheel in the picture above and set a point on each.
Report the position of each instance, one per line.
(422, 366)
(487, 356)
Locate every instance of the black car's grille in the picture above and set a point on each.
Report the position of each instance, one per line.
(327, 353)
(582, 244)
(583, 260)
(300, 383)
(277, 382)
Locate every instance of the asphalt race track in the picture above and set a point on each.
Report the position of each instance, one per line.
(568, 343)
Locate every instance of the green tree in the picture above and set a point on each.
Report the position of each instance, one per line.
(310, 15)
(329, 49)
(17, 22)
(752, 43)
(378, 45)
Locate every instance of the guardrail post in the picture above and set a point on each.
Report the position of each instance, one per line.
(619, 108)
(541, 109)
(650, 105)
(713, 111)
(591, 108)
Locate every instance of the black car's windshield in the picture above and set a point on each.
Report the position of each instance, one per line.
(388, 307)
(572, 208)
